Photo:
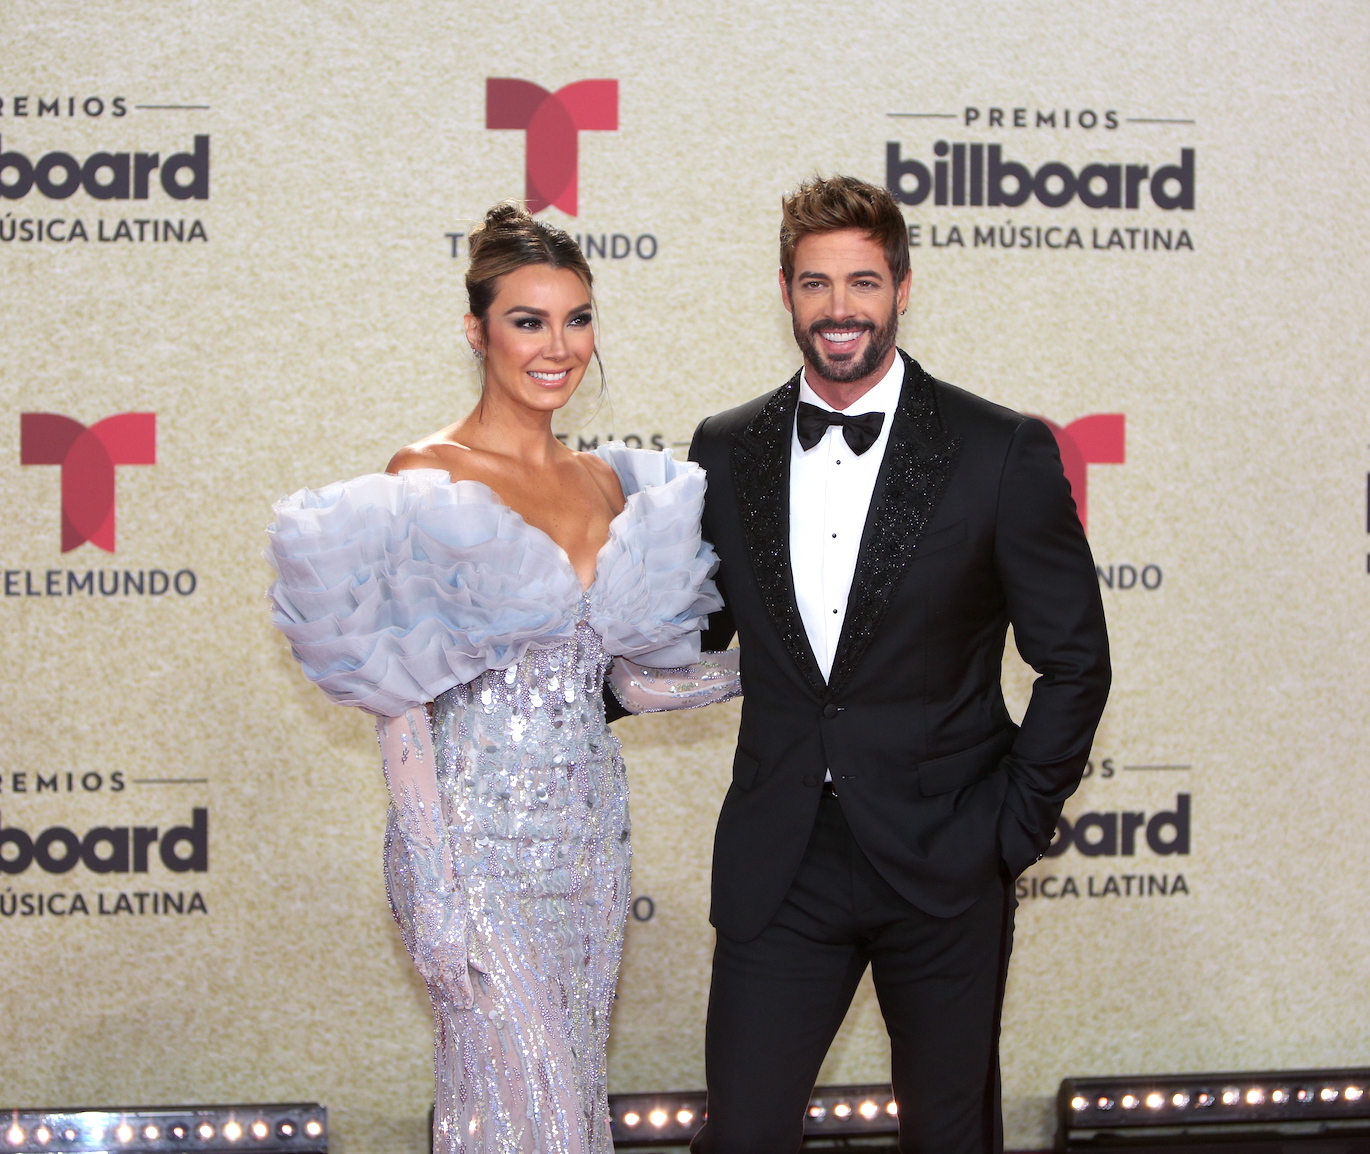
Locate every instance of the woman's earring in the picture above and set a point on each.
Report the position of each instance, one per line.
(479, 354)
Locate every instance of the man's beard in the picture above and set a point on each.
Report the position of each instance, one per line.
(881, 340)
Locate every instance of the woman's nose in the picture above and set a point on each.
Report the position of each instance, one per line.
(556, 345)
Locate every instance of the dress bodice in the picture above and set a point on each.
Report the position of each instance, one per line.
(393, 589)
(522, 755)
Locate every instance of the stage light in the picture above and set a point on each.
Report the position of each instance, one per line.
(1194, 1108)
(838, 1112)
(169, 1130)
(843, 1112)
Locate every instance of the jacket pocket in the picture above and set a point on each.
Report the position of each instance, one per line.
(744, 769)
(958, 770)
(942, 539)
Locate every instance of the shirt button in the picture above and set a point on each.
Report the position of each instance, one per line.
(830, 711)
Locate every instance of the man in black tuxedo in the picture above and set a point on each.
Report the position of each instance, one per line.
(882, 800)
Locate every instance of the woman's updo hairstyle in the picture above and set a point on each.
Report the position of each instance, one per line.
(508, 239)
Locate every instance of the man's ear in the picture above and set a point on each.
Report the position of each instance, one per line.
(785, 293)
(901, 296)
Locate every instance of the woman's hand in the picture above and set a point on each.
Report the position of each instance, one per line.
(641, 689)
(440, 943)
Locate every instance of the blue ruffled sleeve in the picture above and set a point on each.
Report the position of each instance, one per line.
(653, 593)
(392, 589)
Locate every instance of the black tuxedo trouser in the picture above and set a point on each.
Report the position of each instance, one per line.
(778, 1000)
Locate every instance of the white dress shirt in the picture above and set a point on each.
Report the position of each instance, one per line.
(830, 495)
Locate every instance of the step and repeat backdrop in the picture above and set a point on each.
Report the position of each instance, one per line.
(231, 246)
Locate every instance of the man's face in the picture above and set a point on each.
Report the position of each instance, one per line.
(844, 304)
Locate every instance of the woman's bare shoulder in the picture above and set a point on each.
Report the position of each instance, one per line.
(412, 457)
(603, 475)
(437, 452)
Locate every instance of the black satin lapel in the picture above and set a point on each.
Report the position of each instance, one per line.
(919, 459)
(761, 477)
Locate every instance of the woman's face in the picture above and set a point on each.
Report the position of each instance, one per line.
(538, 338)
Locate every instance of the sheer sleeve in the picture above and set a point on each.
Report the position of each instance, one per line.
(710, 680)
(407, 758)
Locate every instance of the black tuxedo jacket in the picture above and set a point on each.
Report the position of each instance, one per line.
(971, 528)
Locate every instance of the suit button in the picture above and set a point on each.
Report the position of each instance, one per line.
(811, 780)
(830, 711)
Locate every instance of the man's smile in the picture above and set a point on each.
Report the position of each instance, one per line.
(842, 340)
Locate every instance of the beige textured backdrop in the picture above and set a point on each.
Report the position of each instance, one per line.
(317, 329)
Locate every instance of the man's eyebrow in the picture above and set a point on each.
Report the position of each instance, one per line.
(867, 273)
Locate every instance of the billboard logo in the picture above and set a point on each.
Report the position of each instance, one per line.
(1112, 834)
(104, 850)
(107, 175)
(553, 122)
(976, 174)
(87, 458)
(1099, 439)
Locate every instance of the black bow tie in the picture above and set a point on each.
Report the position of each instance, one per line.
(861, 431)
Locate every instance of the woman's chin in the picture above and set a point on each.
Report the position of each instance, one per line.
(549, 400)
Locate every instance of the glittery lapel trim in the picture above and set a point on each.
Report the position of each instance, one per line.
(919, 460)
(761, 476)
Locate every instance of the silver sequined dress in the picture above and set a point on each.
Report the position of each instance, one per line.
(401, 590)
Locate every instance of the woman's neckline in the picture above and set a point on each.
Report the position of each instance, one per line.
(499, 501)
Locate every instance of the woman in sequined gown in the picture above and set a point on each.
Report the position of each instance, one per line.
(475, 598)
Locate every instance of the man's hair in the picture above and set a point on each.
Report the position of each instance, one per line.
(831, 203)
